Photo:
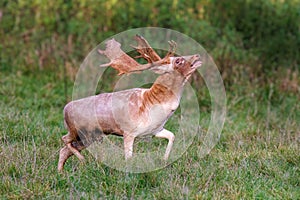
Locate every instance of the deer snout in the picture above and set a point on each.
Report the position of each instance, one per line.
(196, 61)
(192, 58)
(197, 56)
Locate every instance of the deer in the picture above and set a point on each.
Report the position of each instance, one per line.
(129, 113)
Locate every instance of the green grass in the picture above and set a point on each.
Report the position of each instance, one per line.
(257, 157)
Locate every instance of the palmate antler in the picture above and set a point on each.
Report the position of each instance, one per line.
(120, 61)
(148, 53)
(145, 50)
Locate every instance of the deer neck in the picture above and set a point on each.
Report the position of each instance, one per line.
(166, 89)
(174, 82)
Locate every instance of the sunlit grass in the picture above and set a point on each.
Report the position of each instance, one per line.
(257, 156)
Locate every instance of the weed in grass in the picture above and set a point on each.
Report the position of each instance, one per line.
(256, 157)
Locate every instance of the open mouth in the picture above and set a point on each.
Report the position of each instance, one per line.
(196, 63)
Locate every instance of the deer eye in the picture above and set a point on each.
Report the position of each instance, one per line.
(179, 61)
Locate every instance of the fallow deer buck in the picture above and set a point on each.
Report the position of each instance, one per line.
(130, 113)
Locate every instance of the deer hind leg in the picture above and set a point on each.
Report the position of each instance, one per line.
(65, 153)
(68, 139)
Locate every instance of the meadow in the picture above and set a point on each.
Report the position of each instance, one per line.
(258, 154)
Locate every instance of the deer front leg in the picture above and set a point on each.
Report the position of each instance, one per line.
(168, 135)
(128, 146)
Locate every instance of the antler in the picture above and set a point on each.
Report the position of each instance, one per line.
(145, 50)
(119, 60)
(125, 64)
(148, 53)
(172, 49)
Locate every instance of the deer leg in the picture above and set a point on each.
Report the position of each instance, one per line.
(65, 153)
(168, 135)
(128, 146)
(68, 139)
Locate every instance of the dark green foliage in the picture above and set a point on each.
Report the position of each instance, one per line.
(269, 29)
(49, 34)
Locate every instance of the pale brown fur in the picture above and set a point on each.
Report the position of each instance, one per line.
(157, 94)
(127, 113)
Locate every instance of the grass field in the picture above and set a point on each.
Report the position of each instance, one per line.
(257, 157)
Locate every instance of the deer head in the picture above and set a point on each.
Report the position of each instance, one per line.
(184, 65)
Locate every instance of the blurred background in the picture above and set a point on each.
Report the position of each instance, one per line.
(244, 36)
(255, 44)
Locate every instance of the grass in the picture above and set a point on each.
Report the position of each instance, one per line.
(257, 157)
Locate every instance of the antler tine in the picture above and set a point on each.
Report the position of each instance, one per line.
(141, 41)
(172, 48)
(145, 50)
(119, 60)
(158, 62)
